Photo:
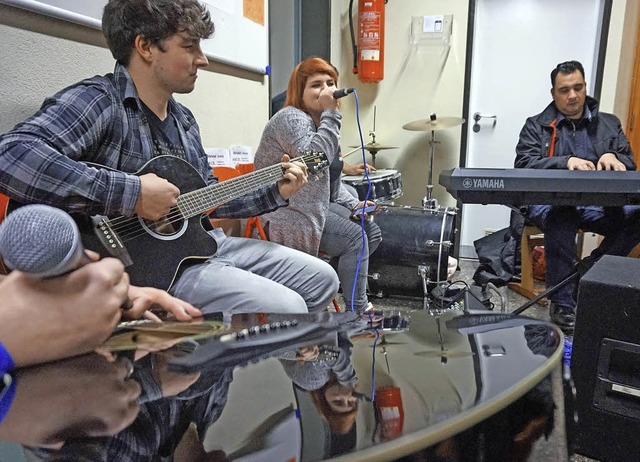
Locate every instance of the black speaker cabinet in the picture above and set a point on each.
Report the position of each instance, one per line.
(605, 362)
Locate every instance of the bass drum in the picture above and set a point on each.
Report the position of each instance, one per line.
(412, 237)
(386, 185)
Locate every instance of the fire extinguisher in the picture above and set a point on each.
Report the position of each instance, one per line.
(389, 412)
(370, 50)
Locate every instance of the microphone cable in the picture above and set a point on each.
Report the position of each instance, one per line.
(363, 233)
(364, 238)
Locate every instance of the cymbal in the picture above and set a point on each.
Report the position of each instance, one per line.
(427, 125)
(444, 354)
(375, 147)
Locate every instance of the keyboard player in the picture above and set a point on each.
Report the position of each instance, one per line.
(570, 133)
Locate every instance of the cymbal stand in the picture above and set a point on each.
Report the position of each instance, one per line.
(429, 202)
(372, 134)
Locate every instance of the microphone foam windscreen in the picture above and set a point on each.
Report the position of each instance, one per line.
(39, 239)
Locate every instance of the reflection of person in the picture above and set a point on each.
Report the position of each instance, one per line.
(332, 384)
(124, 120)
(85, 396)
(320, 217)
(169, 404)
(53, 318)
(572, 134)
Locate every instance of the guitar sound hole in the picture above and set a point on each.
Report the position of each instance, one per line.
(168, 227)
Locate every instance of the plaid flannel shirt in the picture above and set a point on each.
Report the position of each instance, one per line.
(101, 121)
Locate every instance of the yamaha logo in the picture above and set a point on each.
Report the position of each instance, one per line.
(483, 183)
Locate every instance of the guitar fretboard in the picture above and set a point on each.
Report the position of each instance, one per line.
(196, 202)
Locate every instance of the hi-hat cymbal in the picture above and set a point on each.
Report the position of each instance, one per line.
(427, 125)
(375, 147)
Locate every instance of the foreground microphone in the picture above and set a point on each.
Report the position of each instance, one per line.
(342, 92)
(42, 241)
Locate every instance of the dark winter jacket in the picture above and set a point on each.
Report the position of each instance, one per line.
(543, 139)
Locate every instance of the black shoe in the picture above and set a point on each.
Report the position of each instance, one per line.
(563, 316)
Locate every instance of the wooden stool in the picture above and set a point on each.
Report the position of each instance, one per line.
(532, 236)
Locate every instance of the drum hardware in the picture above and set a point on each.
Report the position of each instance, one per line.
(413, 256)
(432, 124)
(423, 272)
(374, 147)
(443, 353)
(386, 185)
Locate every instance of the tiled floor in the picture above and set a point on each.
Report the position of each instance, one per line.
(552, 449)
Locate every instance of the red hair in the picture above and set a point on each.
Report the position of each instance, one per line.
(301, 74)
(340, 423)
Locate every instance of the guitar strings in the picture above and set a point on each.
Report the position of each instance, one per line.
(191, 203)
(130, 227)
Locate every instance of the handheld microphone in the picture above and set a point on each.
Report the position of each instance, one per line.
(43, 241)
(342, 92)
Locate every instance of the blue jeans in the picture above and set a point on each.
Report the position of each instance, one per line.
(618, 225)
(250, 275)
(342, 238)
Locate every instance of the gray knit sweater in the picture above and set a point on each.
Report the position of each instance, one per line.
(292, 131)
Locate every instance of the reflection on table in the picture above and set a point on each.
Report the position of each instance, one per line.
(314, 387)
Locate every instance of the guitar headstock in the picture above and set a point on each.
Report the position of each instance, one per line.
(315, 161)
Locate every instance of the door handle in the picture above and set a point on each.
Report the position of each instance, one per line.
(478, 115)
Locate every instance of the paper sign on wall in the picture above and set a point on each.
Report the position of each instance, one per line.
(218, 157)
(241, 154)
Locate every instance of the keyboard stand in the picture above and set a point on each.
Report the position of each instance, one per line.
(581, 268)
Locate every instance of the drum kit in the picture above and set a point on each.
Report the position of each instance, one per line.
(413, 257)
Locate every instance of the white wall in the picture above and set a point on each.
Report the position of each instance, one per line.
(416, 83)
(41, 55)
(619, 62)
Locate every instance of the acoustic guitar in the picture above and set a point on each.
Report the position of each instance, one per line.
(156, 252)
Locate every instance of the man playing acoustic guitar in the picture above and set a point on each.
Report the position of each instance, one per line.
(147, 163)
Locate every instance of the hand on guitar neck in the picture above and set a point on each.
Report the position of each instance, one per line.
(158, 196)
(295, 176)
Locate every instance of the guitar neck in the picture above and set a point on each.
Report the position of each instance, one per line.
(197, 202)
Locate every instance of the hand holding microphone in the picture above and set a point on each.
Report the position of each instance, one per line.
(329, 97)
(58, 305)
(43, 242)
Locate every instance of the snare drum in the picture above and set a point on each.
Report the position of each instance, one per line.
(412, 237)
(385, 185)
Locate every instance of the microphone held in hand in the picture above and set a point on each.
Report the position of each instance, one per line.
(42, 241)
(342, 92)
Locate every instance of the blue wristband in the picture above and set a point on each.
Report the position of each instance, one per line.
(7, 394)
(6, 362)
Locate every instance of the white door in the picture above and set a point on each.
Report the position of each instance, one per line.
(516, 44)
